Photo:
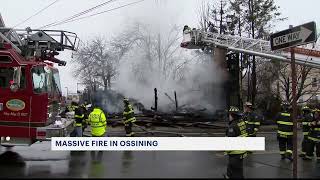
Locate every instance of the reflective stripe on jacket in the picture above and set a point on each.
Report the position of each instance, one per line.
(314, 133)
(306, 119)
(253, 122)
(237, 128)
(285, 125)
(128, 114)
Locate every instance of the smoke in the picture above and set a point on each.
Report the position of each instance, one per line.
(157, 61)
(199, 88)
(194, 76)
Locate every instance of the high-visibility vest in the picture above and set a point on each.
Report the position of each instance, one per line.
(237, 128)
(285, 125)
(128, 114)
(98, 122)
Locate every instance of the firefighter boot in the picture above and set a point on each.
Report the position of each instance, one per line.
(302, 155)
(289, 156)
(307, 158)
(283, 156)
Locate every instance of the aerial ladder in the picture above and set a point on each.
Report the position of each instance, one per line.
(231, 46)
(199, 39)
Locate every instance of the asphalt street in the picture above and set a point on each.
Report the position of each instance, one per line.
(39, 161)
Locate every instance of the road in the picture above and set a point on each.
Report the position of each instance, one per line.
(39, 161)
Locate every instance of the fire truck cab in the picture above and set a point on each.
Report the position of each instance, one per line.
(30, 90)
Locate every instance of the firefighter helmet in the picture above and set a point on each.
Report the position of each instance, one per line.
(125, 100)
(286, 106)
(249, 105)
(234, 111)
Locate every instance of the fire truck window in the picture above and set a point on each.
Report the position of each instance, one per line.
(6, 75)
(5, 59)
(56, 81)
(39, 79)
(49, 79)
(23, 78)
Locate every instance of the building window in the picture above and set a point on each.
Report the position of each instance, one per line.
(314, 82)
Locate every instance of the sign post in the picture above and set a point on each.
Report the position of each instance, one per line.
(294, 113)
(292, 37)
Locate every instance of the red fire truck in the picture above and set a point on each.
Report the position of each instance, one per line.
(30, 91)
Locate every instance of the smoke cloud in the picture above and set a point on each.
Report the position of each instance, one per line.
(194, 76)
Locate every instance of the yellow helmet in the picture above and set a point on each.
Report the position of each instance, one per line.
(233, 109)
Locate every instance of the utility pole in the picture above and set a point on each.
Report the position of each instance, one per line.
(254, 77)
(221, 14)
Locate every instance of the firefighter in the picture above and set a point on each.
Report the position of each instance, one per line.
(79, 119)
(98, 122)
(314, 137)
(306, 119)
(237, 128)
(71, 107)
(86, 114)
(285, 132)
(128, 117)
(251, 119)
(186, 27)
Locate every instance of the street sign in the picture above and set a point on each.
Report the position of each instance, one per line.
(295, 36)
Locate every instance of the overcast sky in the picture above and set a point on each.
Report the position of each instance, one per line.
(178, 12)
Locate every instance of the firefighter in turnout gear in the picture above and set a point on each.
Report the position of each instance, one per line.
(314, 137)
(285, 132)
(72, 106)
(79, 119)
(237, 128)
(128, 117)
(98, 122)
(306, 118)
(252, 119)
(86, 115)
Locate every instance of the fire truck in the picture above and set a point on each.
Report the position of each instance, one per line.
(30, 90)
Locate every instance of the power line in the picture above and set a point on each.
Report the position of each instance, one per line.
(97, 13)
(35, 14)
(78, 14)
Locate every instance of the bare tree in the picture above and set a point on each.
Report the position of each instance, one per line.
(96, 62)
(305, 86)
(160, 51)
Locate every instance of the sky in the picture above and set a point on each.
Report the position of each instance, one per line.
(178, 12)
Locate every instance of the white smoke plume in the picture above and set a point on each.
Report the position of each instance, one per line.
(198, 82)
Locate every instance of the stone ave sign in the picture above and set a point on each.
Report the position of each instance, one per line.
(298, 35)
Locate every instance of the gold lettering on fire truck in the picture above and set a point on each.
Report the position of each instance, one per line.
(16, 114)
(15, 105)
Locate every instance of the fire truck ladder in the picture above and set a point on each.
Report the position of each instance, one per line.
(198, 39)
(43, 44)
